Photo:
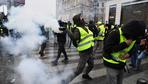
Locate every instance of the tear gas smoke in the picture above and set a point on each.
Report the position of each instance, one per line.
(33, 71)
(26, 21)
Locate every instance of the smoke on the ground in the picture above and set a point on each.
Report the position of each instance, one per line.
(25, 21)
(33, 71)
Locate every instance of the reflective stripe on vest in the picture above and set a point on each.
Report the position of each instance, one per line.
(1, 30)
(117, 55)
(110, 61)
(112, 26)
(86, 41)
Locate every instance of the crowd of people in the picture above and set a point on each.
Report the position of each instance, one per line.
(116, 43)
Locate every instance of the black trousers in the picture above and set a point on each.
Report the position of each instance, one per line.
(61, 49)
(43, 46)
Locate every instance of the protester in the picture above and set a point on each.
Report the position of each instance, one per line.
(118, 47)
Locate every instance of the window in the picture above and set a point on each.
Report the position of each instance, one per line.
(97, 4)
(135, 11)
(112, 14)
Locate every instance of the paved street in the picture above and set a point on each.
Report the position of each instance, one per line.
(98, 73)
(25, 25)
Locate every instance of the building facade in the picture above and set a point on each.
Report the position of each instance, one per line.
(19, 2)
(10, 3)
(123, 11)
(5, 5)
(91, 9)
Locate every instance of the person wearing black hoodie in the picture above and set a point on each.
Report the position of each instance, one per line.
(92, 27)
(61, 39)
(118, 46)
(83, 40)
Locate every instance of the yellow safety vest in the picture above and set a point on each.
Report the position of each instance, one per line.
(112, 26)
(101, 33)
(1, 30)
(117, 55)
(86, 39)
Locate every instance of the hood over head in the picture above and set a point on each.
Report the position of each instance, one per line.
(134, 29)
(78, 20)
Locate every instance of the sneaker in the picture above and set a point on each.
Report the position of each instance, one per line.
(65, 61)
(85, 76)
(54, 63)
(43, 57)
(41, 54)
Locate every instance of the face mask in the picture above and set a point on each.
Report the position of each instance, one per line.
(82, 21)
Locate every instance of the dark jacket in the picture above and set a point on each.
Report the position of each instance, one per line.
(75, 34)
(112, 42)
(61, 37)
(93, 28)
(4, 29)
(44, 32)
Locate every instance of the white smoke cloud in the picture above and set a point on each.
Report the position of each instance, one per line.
(33, 71)
(26, 20)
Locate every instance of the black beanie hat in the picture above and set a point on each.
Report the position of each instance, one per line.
(78, 21)
(134, 29)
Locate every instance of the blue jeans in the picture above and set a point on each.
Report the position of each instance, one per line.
(142, 55)
(134, 56)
